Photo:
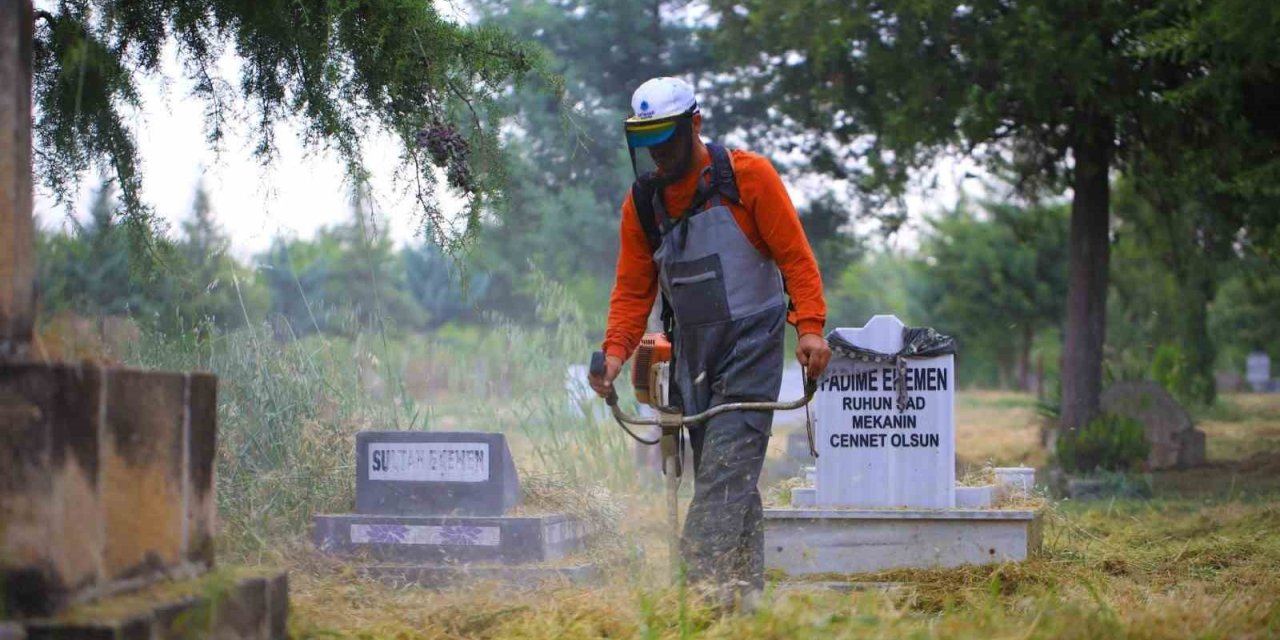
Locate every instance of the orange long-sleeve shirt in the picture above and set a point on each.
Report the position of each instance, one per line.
(767, 219)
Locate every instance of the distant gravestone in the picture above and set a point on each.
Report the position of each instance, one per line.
(1258, 371)
(434, 473)
(875, 447)
(1174, 440)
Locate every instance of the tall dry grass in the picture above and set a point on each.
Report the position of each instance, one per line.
(289, 408)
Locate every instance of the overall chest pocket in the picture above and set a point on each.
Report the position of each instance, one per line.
(697, 291)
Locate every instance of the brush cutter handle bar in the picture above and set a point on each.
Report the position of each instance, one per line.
(811, 386)
(597, 369)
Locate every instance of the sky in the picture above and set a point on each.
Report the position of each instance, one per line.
(303, 190)
(299, 192)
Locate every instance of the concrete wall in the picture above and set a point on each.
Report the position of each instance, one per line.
(106, 481)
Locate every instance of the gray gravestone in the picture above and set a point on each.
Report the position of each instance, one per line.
(437, 503)
(424, 473)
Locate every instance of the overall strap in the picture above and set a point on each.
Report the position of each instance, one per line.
(722, 177)
(642, 195)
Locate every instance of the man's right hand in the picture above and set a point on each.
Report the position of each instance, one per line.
(602, 385)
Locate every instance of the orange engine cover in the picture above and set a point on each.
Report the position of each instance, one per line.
(654, 349)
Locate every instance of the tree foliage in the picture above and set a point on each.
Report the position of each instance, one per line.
(995, 276)
(1053, 93)
(340, 68)
(569, 172)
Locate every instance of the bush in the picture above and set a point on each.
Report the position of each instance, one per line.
(1172, 369)
(1107, 443)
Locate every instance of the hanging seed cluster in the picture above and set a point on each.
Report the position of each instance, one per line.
(448, 150)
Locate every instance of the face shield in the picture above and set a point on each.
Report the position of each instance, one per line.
(661, 149)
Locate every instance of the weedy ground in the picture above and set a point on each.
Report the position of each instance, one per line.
(1201, 559)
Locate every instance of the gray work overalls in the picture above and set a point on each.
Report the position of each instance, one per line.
(730, 317)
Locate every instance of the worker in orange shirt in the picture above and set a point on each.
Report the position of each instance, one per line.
(715, 231)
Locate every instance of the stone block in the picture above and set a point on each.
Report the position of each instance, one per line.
(979, 497)
(142, 473)
(50, 514)
(278, 606)
(182, 618)
(202, 445)
(240, 605)
(451, 540)
(242, 613)
(813, 541)
(434, 473)
(131, 628)
(804, 497)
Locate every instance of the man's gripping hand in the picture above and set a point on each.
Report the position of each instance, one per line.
(602, 385)
(813, 354)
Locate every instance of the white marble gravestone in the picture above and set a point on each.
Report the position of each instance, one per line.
(1258, 371)
(873, 451)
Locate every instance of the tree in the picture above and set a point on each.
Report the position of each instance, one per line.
(1168, 264)
(1059, 94)
(1242, 318)
(568, 175)
(89, 271)
(439, 285)
(825, 221)
(212, 286)
(347, 278)
(996, 277)
(340, 68)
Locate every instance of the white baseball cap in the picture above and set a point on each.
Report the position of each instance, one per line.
(662, 98)
(655, 105)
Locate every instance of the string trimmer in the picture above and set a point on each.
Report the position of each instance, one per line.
(651, 378)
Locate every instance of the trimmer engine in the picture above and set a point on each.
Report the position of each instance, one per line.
(651, 370)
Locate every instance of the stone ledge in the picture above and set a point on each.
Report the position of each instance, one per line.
(814, 541)
(835, 513)
(247, 603)
(450, 539)
(520, 577)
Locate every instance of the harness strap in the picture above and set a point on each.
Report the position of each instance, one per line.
(724, 184)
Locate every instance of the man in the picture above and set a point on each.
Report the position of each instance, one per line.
(716, 232)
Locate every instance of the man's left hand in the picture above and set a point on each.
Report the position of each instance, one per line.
(813, 354)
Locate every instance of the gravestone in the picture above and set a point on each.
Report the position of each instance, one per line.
(411, 472)
(1258, 371)
(1174, 440)
(885, 495)
(438, 506)
(876, 448)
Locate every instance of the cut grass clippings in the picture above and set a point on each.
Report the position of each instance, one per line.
(1184, 564)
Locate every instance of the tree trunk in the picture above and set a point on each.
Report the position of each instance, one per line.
(17, 240)
(1089, 254)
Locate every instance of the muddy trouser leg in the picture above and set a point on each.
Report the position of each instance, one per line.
(724, 530)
